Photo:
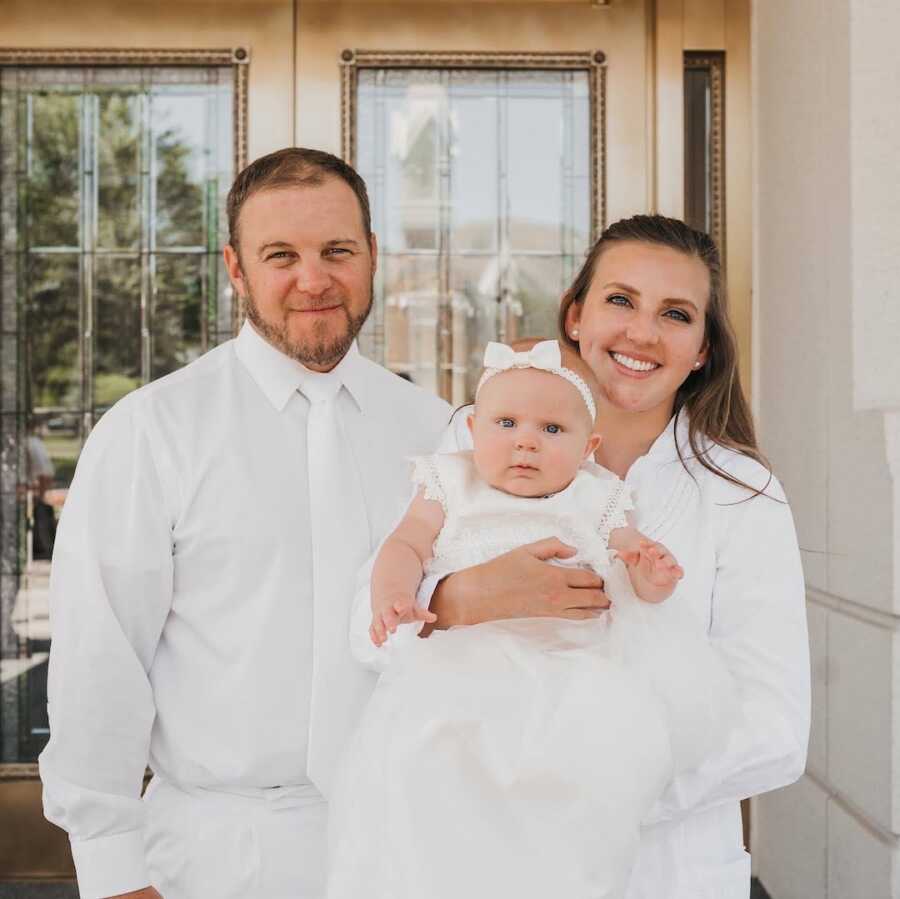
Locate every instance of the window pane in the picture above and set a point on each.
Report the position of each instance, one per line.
(509, 182)
(475, 287)
(411, 306)
(178, 308)
(118, 171)
(179, 136)
(474, 175)
(117, 347)
(534, 287)
(53, 332)
(53, 171)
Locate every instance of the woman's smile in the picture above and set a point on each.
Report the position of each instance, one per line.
(632, 365)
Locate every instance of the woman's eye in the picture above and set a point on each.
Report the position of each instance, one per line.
(506, 423)
(553, 429)
(618, 299)
(678, 315)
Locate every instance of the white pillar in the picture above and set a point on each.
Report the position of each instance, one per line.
(827, 289)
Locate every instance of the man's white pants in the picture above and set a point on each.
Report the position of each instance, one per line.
(254, 844)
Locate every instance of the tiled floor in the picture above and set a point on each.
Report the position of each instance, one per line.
(38, 891)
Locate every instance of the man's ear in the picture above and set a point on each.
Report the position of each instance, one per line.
(373, 249)
(235, 273)
(593, 444)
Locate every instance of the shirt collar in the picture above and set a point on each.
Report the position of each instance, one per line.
(279, 376)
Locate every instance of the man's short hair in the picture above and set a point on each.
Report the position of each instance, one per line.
(293, 167)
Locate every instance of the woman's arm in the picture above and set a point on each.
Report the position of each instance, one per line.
(759, 629)
(399, 566)
(519, 584)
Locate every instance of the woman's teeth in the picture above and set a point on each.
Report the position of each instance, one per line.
(634, 364)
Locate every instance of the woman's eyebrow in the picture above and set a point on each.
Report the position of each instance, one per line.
(622, 286)
(677, 301)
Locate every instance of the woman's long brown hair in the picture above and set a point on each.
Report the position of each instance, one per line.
(711, 397)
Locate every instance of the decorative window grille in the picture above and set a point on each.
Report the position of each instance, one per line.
(486, 179)
(113, 173)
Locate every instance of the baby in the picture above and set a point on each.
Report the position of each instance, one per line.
(519, 757)
(532, 429)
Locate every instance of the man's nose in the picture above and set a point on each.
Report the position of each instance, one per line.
(643, 329)
(312, 278)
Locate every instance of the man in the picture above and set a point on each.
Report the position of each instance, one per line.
(204, 567)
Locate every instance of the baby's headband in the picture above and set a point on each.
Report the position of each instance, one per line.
(544, 356)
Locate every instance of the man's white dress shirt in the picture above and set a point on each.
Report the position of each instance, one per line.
(181, 606)
(743, 586)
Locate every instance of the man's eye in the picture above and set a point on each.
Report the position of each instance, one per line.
(279, 254)
(506, 423)
(337, 251)
(553, 429)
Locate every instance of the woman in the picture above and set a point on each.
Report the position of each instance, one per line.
(647, 313)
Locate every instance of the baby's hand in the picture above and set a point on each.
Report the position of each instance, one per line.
(654, 570)
(390, 611)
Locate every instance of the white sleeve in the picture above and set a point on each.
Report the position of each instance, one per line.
(759, 629)
(455, 438)
(110, 593)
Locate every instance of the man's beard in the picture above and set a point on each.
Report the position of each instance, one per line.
(317, 349)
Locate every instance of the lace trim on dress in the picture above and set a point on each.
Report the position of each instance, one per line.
(426, 475)
(613, 516)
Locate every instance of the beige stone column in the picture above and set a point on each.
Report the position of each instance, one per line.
(827, 346)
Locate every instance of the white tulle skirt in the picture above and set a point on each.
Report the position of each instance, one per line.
(518, 758)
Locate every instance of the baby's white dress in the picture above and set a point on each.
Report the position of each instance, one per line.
(517, 758)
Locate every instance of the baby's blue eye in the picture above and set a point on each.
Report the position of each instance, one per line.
(506, 423)
(553, 429)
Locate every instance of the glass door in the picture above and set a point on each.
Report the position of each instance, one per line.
(481, 186)
(112, 187)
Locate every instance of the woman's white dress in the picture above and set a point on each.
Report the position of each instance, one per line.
(518, 758)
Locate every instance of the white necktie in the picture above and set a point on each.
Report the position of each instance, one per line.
(340, 545)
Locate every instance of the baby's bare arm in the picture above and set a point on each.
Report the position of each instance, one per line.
(399, 567)
(653, 570)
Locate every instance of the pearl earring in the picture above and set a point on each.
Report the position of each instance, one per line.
(697, 365)
(574, 333)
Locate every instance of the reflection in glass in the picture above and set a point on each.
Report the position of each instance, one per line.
(474, 183)
(102, 173)
(176, 318)
(54, 126)
(118, 171)
(485, 176)
(411, 308)
(117, 326)
(52, 344)
(179, 124)
(534, 286)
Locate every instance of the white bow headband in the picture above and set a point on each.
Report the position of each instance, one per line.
(544, 356)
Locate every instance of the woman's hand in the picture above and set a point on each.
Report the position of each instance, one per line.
(519, 584)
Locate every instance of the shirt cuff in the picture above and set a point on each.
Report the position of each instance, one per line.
(107, 866)
(426, 590)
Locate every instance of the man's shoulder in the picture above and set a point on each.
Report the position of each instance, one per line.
(402, 397)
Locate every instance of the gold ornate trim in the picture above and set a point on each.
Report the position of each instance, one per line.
(237, 57)
(714, 63)
(593, 62)
(19, 772)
